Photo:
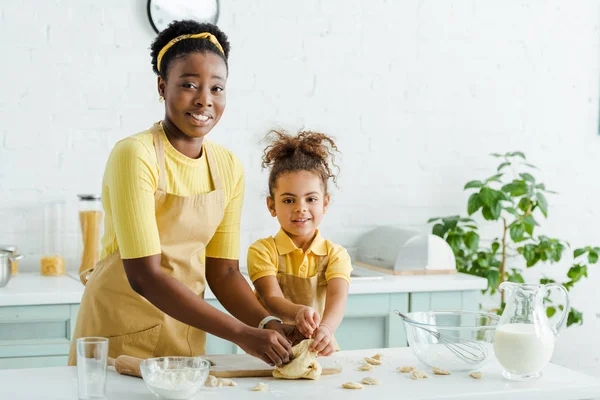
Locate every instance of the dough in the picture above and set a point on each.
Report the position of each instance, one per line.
(418, 375)
(261, 387)
(351, 385)
(405, 369)
(439, 371)
(476, 375)
(377, 357)
(371, 381)
(211, 381)
(303, 366)
(372, 361)
(226, 382)
(366, 367)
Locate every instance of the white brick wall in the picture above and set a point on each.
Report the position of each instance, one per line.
(417, 94)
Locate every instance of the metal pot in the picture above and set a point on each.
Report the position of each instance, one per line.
(6, 258)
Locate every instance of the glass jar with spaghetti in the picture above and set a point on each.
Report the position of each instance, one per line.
(90, 222)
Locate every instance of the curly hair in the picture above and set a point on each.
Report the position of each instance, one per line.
(307, 151)
(184, 47)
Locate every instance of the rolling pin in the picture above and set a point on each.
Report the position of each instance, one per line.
(126, 365)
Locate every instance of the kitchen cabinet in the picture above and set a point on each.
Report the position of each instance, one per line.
(370, 321)
(38, 314)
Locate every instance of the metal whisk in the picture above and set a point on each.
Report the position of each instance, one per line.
(467, 350)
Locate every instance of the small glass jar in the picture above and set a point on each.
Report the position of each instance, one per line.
(52, 262)
(90, 222)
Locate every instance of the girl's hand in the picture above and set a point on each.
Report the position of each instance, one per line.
(322, 341)
(307, 320)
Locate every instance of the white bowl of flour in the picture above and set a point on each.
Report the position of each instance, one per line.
(176, 378)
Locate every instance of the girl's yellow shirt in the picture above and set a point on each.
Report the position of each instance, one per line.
(263, 258)
(131, 179)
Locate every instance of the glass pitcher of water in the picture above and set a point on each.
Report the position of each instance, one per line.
(524, 339)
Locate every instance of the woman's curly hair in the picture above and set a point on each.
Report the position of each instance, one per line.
(306, 151)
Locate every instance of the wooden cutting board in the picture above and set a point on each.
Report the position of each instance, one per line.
(246, 366)
(224, 366)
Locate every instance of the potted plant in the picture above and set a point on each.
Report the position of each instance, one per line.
(516, 201)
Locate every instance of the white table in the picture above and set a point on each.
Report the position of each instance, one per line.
(556, 383)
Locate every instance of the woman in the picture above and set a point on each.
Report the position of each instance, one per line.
(173, 203)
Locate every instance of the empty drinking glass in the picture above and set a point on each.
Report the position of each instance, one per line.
(92, 357)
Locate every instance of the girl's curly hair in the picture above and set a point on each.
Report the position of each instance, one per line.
(306, 151)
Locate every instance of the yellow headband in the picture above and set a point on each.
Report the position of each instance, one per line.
(203, 35)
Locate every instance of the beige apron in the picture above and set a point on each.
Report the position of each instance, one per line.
(311, 292)
(111, 308)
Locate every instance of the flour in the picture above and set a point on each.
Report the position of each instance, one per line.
(177, 385)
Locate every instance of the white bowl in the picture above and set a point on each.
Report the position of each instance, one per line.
(176, 378)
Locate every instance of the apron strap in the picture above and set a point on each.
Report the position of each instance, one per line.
(212, 165)
(281, 265)
(157, 131)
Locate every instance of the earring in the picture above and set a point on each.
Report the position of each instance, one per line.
(161, 99)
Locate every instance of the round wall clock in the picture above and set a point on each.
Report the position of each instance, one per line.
(162, 12)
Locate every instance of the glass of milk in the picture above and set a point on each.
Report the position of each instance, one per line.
(524, 339)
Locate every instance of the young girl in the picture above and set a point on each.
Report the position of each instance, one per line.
(301, 277)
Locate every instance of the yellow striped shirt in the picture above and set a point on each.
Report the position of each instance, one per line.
(131, 179)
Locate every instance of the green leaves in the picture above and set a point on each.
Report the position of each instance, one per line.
(575, 317)
(542, 203)
(493, 277)
(438, 229)
(471, 240)
(516, 188)
(527, 176)
(579, 252)
(524, 204)
(517, 230)
(487, 197)
(473, 184)
(592, 253)
(474, 204)
(576, 272)
(503, 165)
(550, 311)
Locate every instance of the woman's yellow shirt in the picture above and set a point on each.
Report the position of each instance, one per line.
(263, 258)
(131, 179)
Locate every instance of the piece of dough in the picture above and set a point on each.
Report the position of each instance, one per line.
(370, 381)
(211, 381)
(352, 385)
(405, 369)
(261, 387)
(439, 371)
(226, 382)
(418, 375)
(366, 367)
(476, 375)
(303, 366)
(372, 361)
(377, 357)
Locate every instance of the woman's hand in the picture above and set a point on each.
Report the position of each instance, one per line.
(307, 320)
(266, 344)
(322, 341)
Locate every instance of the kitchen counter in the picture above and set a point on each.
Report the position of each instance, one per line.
(556, 383)
(34, 289)
(28, 288)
